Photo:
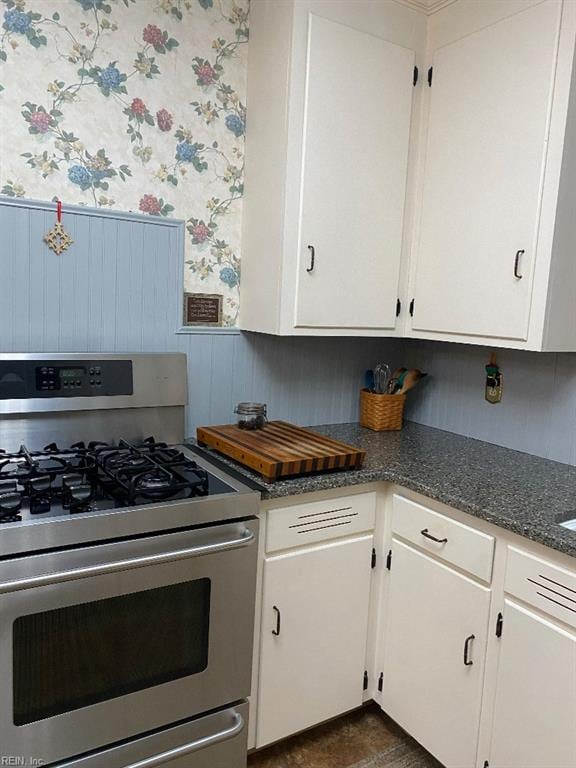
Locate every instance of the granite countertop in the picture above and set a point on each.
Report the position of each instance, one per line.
(524, 494)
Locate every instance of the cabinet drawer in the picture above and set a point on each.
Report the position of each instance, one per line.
(319, 521)
(464, 547)
(538, 582)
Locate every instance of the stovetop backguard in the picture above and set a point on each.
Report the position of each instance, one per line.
(64, 398)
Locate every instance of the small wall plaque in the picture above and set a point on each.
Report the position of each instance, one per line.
(203, 309)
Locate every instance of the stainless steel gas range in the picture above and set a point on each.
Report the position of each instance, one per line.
(127, 571)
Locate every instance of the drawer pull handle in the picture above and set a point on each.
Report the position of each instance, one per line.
(425, 533)
(467, 660)
(276, 632)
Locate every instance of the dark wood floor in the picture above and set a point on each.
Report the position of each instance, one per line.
(365, 738)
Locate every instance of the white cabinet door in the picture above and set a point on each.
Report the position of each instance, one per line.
(487, 134)
(314, 628)
(437, 620)
(535, 709)
(357, 126)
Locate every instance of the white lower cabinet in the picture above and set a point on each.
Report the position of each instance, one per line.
(313, 640)
(474, 630)
(434, 653)
(535, 707)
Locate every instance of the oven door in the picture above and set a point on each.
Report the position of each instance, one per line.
(106, 642)
(217, 740)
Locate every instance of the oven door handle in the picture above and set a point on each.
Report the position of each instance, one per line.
(193, 746)
(245, 540)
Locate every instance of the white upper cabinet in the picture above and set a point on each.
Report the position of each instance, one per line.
(357, 125)
(493, 257)
(330, 91)
(451, 204)
(485, 156)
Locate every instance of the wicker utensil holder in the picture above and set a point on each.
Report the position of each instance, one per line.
(381, 412)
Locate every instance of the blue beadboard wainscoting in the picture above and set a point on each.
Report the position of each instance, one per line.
(537, 414)
(119, 288)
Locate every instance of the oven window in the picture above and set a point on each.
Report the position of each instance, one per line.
(83, 654)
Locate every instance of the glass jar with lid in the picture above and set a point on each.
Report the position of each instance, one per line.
(251, 415)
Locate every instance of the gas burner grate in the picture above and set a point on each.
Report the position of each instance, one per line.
(39, 477)
(151, 471)
(95, 475)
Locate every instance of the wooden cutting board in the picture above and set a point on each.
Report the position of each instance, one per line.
(280, 449)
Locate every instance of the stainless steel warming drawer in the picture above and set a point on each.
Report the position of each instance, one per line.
(217, 740)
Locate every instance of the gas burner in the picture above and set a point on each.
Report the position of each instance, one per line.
(125, 460)
(153, 483)
(10, 505)
(151, 471)
(96, 476)
(25, 465)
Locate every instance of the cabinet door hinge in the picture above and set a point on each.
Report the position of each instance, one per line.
(389, 560)
(415, 76)
(373, 559)
(430, 72)
(398, 307)
(499, 623)
(411, 310)
(381, 682)
(365, 681)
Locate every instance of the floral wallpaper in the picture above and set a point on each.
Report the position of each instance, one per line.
(132, 104)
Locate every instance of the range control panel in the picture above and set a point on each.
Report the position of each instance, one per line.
(26, 379)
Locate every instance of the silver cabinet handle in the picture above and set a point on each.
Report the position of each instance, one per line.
(193, 746)
(245, 540)
(517, 258)
(312, 258)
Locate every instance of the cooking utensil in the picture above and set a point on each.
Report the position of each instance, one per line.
(382, 375)
(396, 381)
(410, 379)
